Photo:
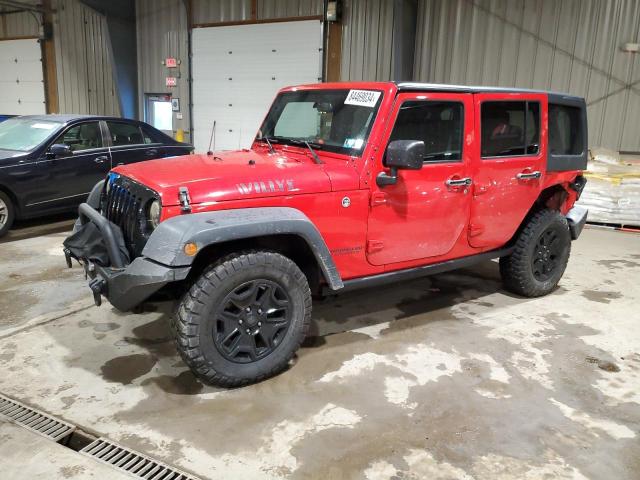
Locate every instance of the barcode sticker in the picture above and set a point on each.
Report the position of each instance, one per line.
(362, 98)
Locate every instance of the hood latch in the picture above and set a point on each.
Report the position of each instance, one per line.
(185, 200)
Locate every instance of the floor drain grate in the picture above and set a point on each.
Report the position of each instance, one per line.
(35, 420)
(132, 462)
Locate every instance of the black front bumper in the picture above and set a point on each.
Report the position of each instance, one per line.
(124, 285)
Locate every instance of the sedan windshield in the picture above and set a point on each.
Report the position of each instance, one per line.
(25, 134)
(333, 120)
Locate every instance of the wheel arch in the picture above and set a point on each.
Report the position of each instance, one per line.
(281, 229)
(290, 245)
(551, 197)
(13, 197)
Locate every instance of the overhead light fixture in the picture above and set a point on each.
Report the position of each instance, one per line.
(631, 47)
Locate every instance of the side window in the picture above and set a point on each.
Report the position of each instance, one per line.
(438, 124)
(125, 134)
(150, 135)
(82, 137)
(510, 129)
(565, 130)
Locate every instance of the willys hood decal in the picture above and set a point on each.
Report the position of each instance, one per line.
(229, 176)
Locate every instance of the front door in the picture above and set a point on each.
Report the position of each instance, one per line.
(424, 214)
(70, 178)
(511, 164)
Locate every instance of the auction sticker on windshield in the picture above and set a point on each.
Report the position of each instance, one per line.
(362, 98)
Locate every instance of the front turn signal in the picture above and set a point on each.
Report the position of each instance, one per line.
(190, 249)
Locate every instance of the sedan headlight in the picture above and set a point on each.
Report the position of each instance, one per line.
(154, 213)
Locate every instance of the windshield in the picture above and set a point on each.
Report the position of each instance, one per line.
(333, 120)
(25, 134)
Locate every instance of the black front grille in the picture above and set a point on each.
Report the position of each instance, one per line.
(125, 204)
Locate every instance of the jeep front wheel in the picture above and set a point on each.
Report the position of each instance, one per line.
(540, 255)
(244, 319)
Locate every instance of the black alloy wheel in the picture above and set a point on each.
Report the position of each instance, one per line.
(252, 320)
(546, 254)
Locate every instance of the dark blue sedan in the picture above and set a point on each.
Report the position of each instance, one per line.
(49, 163)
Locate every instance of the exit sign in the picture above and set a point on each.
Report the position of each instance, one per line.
(171, 62)
(171, 81)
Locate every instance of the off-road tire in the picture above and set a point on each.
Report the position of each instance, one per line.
(7, 216)
(195, 319)
(517, 270)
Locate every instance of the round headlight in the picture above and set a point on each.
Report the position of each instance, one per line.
(154, 213)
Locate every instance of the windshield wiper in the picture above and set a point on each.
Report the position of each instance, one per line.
(316, 158)
(266, 139)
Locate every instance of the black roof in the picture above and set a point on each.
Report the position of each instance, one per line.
(70, 117)
(438, 87)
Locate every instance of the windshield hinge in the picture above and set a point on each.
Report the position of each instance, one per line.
(185, 200)
(378, 198)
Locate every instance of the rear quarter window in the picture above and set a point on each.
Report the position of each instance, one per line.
(565, 130)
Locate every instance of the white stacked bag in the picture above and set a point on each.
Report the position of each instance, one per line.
(612, 193)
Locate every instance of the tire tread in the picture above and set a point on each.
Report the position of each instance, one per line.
(185, 325)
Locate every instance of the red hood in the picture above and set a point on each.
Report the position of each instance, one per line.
(231, 175)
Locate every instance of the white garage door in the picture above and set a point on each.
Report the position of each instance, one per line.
(21, 82)
(237, 71)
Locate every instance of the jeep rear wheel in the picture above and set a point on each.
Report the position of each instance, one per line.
(540, 255)
(244, 319)
(7, 213)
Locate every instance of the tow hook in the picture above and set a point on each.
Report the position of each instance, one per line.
(67, 257)
(97, 286)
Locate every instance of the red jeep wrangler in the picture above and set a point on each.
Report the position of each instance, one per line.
(346, 185)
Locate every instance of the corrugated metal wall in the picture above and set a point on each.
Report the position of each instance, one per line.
(83, 55)
(565, 45)
(570, 45)
(83, 61)
(22, 24)
(367, 37)
(213, 11)
(162, 33)
(288, 8)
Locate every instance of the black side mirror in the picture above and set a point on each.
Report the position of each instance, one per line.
(401, 155)
(59, 150)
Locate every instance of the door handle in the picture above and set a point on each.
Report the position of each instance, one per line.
(529, 175)
(458, 182)
(151, 153)
(100, 159)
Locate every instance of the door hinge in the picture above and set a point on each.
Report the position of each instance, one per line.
(378, 198)
(475, 229)
(374, 246)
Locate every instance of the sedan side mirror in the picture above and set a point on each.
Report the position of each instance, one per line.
(59, 150)
(401, 155)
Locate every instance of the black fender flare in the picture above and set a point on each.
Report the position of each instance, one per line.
(166, 243)
(94, 196)
(93, 200)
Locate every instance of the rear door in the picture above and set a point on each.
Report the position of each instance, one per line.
(426, 211)
(129, 144)
(507, 180)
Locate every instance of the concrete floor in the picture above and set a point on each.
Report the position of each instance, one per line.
(445, 377)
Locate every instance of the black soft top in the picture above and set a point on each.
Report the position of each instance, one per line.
(440, 87)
